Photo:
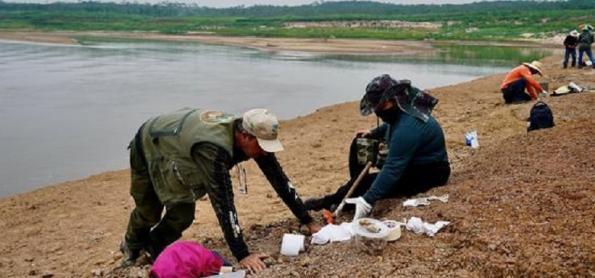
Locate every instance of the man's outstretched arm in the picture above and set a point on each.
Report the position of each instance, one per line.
(213, 162)
(271, 168)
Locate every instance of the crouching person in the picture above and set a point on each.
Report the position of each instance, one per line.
(179, 157)
(520, 86)
(416, 159)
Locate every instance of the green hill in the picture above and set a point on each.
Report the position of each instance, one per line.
(347, 19)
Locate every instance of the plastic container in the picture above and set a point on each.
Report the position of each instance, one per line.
(394, 230)
(370, 228)
(292, 244)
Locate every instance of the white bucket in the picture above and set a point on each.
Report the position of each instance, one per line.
(292, 244)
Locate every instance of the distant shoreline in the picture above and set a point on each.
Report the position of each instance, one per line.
(334, 46)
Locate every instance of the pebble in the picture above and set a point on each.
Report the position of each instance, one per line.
(116, 256)
(97, 272)
(47, 274)
(270, 261)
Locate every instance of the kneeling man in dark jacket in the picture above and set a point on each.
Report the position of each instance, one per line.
(417, 158)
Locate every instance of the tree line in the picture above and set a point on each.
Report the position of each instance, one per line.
(342, 9)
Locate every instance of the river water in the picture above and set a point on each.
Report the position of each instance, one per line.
(67, 112)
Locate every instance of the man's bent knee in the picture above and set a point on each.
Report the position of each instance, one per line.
(180, 216)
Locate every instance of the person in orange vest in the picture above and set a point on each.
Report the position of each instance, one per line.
(520, 85)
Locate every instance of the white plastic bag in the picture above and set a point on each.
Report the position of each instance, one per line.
(472, 139)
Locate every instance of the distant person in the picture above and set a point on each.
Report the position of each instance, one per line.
(417, 159)
(570, 44)
(179, 157)
(585, 40)
(520, 86)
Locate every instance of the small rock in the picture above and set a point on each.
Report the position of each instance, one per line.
(47, 274)
(32, 272)
(492, 246)
(269, 261)
(97, 272)
(29, 259)
(117, 256)
(269, 195)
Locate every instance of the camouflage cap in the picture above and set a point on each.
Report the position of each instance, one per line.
(409, 99)
(264, 126)
(379, 90)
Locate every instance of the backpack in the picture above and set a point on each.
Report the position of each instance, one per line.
(541, 116)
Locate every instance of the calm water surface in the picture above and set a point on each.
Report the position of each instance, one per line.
(67, 112)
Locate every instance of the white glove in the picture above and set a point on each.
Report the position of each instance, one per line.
(362, 208)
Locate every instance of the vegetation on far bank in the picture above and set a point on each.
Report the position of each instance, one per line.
(477, 21)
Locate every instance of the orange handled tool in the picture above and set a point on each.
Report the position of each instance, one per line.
(328, 216)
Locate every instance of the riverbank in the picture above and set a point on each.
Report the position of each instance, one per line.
(336, 46)
(520, 205)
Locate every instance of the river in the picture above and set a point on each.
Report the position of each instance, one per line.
(67, 112)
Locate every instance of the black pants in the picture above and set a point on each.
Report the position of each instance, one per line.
(569, 52)
(515, 92)
(415, 180)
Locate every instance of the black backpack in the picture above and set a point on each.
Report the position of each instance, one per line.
(541, 116)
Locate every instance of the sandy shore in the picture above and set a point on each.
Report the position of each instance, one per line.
(266, 44)
(526, 211)
(347, 46)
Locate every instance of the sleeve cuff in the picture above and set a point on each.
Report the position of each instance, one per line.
(307, 219)
(241, 254)
(368, 199)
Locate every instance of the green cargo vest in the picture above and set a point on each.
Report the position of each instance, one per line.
(167, 142)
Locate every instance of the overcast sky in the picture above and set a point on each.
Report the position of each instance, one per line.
(230, 3)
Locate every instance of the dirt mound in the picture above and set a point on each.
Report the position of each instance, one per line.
(522, 204)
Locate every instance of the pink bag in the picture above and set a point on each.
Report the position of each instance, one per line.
(186, 259)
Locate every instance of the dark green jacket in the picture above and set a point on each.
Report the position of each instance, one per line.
(585, 40)
(411, 141)
(167, 142)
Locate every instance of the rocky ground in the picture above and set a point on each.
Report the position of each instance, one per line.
(520, 205)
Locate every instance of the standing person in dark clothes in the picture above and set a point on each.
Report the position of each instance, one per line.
(417, 158)
(570, 44)
(179, 157)
(585, 40)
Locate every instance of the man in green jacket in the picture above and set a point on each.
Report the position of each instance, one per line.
(585, 40)
(179, 157)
